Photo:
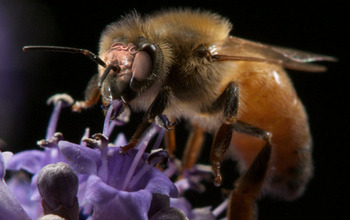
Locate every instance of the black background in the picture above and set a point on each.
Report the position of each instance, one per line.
(28, 79)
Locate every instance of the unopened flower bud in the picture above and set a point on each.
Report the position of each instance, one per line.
(51, 217)
(170, 213)
(58, 186)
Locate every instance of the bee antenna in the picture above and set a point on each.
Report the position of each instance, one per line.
(87, 53)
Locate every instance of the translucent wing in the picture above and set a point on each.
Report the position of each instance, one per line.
(239, 49)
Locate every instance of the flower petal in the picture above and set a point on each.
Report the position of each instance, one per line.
(29, 160)
(2, 167)
(135, 204)
(9, 206)
(159, 202)
(6, 156)
(98, 192)
(183, 204)
(120, 140)
(118, 166)
(159, 183)
(83, 159)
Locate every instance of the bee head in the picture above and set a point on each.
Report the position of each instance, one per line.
(128, 70)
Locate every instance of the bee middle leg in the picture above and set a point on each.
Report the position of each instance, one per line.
(170, 141)
(228, 101)
(193, 148)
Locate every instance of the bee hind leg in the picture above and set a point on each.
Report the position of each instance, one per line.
(248, 187)
(242, 200)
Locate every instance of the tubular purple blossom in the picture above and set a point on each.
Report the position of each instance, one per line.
(104, 185)
(33, 160)
(117, 184)
(9, 206)
(111, 184)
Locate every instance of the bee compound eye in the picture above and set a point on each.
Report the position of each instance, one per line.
(141, 66)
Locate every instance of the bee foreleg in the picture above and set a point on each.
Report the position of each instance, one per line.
(92, 95)
(157, 107)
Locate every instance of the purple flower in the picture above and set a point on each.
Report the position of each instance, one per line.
(33, 161)
(116, 184)
(112, 185)
(9, 206)
(192, 180)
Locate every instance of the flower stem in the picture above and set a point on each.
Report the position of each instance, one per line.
(159, 139)
(106, 122)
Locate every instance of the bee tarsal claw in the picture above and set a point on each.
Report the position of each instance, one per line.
(163, 122)
(126, 148)
(218, 180)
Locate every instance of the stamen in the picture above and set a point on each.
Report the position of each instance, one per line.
(114, 108)
(158, 156)
(60, 101)
(53, 120)
(159, 139)
(106, 122)
(220, 209)
(120, 117)
(138, 176)
(141, 149)
(120, 140)
(171, 170)
(182, 185)
(103, 171)
(85, 136)
(112, 125)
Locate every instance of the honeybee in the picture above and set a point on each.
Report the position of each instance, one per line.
(183, 63)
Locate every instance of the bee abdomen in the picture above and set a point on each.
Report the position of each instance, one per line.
(289, 183)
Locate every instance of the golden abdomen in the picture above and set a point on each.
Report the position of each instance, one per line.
(268, 101)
